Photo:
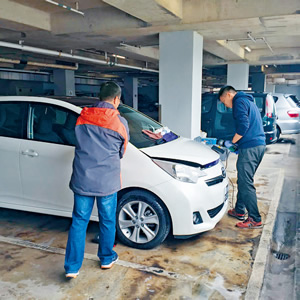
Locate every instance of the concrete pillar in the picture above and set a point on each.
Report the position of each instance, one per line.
(180, 81)
(64, 82)
(258, 82)
(238, 76)
(130, 91)
(270, 88)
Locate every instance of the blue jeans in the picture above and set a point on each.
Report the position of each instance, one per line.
(83, 206)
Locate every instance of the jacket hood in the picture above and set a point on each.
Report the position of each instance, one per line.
(99, 115)
(244, 96)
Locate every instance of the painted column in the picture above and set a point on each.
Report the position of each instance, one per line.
(238, 76)
(64, 82)
(180, 81)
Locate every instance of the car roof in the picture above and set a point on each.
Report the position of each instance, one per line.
(78, 101)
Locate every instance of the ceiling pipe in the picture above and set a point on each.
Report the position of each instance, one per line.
(39, 64)
(269, 46)
(71, 56)
(251, 37)
(67, 7)
(54, 66)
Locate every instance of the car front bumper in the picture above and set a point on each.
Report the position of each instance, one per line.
(184, 199)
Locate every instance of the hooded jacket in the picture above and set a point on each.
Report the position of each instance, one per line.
(102, 136)
(248, 121)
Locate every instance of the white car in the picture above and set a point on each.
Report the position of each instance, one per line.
(179, 185)
(288, 121)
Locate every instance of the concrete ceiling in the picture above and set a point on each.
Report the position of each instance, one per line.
(130, 28)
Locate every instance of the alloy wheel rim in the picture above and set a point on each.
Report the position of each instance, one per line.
(138, 221)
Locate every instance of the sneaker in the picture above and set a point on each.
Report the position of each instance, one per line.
(72, 275)
(233, 213)
(249, 223)
(108, 266)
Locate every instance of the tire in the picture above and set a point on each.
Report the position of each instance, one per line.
(134, 209)
(277, 133)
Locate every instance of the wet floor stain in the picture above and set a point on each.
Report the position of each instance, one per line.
(219, 261)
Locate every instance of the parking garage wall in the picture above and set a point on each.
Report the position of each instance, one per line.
(288, 89)
(21, 88)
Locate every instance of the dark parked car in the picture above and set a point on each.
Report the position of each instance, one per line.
(146, 103)
(217, 120)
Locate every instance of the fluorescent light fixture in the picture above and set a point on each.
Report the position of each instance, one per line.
(119, 56)
(266, 66)
(247, 49)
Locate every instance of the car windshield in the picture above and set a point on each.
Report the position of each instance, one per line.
(137, 122)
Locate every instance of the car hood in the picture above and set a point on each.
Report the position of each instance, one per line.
(183, 149)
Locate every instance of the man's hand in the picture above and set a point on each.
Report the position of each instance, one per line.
(231, 147)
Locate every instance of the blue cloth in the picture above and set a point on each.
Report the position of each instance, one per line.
(170, 136)
(83, 206)
(248, 121)
(99, 148)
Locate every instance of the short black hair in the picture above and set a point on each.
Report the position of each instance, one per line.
(109, 90)
(225, 89)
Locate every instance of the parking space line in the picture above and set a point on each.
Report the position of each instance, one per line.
(123, 263)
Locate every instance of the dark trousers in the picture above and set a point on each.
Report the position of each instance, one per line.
(247, 164)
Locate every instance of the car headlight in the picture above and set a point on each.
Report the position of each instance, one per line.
(179, 171)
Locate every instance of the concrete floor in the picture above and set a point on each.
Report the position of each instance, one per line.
(282, 276)
(214, 265)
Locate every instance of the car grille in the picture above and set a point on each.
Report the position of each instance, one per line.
(213, 212)
(214, 180)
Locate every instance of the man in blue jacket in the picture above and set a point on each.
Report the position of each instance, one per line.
(102, 136)
(250, 139)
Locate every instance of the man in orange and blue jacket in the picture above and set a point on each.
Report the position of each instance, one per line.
(102, 136)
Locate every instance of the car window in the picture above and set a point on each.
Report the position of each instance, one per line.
(207, 102)
(136, 123)
(53, 124)
(221, 108)
(206, 105)
(291, 102)
(259, 101)
(275, 98)
(13, 119)
(295, 99)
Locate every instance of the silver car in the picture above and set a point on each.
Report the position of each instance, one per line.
(288, 114)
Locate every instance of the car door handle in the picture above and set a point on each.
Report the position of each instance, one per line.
(30, 153)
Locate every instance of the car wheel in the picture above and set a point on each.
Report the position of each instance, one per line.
(277, 133)
(142, 222)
